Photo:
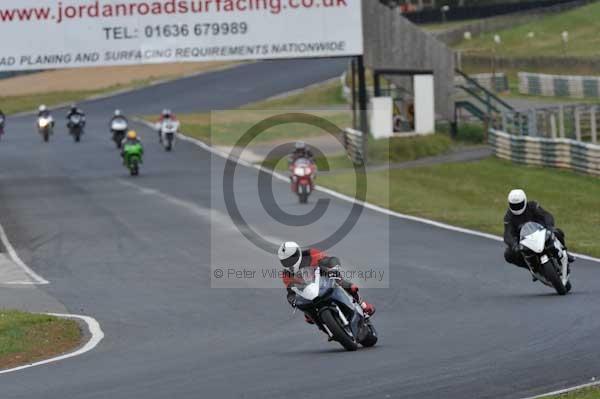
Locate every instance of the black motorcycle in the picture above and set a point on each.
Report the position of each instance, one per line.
(118, 128)
(75, 124)
(334, 311)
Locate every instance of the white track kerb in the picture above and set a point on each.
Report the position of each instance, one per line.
(92, 324)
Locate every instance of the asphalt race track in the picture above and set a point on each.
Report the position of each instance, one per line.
(136, 254)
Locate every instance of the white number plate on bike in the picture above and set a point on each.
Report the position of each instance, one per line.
(544, 259)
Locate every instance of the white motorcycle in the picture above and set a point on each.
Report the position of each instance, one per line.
(546, 257)
(118, 128)
(334, 311)
(167, 131)
(45, 125)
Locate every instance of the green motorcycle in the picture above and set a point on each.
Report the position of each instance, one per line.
(132, 157)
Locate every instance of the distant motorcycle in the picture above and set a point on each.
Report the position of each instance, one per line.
(167, 130)
(75, 124)
(334, 311)
(118, 128)
(2, 121)
(132, 157)
(45, 124)
(303, 173)
(546, 257)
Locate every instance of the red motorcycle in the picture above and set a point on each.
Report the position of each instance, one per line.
(303, 175)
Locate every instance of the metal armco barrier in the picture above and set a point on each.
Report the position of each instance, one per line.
(579, 122)
(353, 142)
(539, 84)
(557, 153)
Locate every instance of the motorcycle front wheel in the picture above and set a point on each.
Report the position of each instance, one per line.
(551, 272)
(339, 333)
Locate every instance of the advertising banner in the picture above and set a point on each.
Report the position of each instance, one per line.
(50, 34)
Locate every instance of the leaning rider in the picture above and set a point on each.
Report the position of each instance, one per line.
(294, 259)
(521, 211)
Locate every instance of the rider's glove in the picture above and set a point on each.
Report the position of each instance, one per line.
(291, 298)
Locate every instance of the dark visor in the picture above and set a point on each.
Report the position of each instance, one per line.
(292, 260)
(518, 206)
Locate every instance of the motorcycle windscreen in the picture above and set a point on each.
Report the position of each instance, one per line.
(302, 162)
(308, 285)
(119, 124)
(533, 236)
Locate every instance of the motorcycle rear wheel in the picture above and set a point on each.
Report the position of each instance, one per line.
(339, 334)
(550, 271)
(371, 339)
(134, 169)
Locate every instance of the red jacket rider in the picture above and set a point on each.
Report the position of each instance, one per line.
(293, 259)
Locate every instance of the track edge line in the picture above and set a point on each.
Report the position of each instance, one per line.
(14, 256)
(566, 390)
(347, 198)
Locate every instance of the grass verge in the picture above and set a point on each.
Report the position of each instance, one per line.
(385, 151)
(18, 103)
(226, 127)
(14, 104)
(473, 195)
(581, 23)
(26, 337)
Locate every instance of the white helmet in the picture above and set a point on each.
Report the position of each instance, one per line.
(42, 108)
(290, 256)
(517, 201)
(117, 112)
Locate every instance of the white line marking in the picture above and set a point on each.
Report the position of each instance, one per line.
(210, 215)
(95, 331)
(365, 204)
(37, 279)
(566, 390)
